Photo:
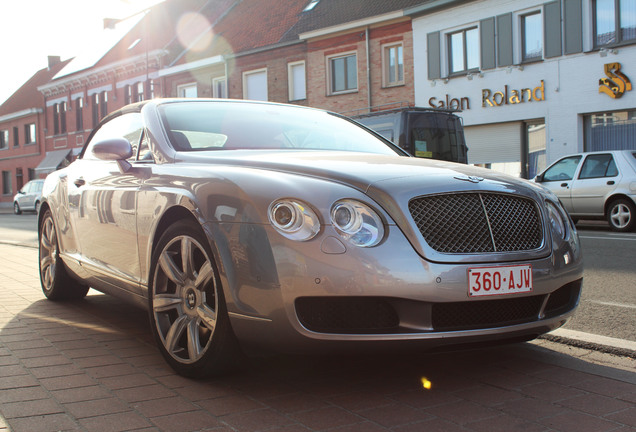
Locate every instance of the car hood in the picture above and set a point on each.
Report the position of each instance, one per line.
(373, 174)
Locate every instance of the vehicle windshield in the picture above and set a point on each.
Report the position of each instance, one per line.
(204, 125)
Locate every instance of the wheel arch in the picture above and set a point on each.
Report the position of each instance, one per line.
(615, 197)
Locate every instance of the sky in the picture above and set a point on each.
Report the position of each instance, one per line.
(32, 30)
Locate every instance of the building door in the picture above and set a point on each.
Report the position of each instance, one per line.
(533, 149)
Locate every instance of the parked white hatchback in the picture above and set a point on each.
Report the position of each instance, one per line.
(596, 185)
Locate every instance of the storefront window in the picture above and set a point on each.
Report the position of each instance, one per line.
(610, 131)
(535, 134)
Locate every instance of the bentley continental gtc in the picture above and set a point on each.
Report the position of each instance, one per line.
(241, 224)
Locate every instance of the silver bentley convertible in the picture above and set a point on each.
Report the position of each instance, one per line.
(242, 224)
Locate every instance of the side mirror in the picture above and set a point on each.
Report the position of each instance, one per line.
(114, 149)
(539, 178)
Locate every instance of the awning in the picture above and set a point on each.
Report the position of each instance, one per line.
(52, 161)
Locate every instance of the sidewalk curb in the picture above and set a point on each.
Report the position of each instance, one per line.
(608, 345)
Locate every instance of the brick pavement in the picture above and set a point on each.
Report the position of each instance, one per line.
(92, 366)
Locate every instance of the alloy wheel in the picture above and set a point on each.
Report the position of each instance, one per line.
(184, 300)
(48, 253)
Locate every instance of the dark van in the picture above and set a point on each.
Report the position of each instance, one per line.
(423, 132)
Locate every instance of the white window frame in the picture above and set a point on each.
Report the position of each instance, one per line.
(184, 88)
(329, 59)
(517, 34)
(215, 83)
(386, 66)
(291, 81)
(246, 76)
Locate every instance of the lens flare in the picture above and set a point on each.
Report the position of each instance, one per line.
(426, 383)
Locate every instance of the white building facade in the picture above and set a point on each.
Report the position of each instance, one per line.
(534, 80)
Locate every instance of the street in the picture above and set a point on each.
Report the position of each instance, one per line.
(91, 365)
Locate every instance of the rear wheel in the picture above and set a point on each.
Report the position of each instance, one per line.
(16, 208)
(621, 215)
(187, 309)
(55, 281)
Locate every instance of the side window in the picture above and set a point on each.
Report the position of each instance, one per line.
(562, 170)
(127, 126)
(601, 165)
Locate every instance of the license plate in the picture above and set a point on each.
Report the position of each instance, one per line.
(484, 281)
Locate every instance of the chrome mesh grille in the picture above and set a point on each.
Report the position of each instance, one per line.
(478, 222)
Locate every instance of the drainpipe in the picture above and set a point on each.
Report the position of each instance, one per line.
(227, 79)
(368, 46)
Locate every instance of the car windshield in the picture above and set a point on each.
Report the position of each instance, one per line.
(196, 126)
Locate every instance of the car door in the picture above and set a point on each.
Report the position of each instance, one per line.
(23, 196)
(559, 177)
(102, 207)
(597, 179)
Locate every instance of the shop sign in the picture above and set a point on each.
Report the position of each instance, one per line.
(616, 83)
(511, 97)
(452, 103)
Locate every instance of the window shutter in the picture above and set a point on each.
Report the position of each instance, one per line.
(434, 61)
(504, 40)
(572, 23)
(487, 35)
(552, 29)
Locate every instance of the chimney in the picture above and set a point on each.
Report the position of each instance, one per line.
(53, 60)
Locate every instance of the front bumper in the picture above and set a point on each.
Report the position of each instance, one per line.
(298, 296)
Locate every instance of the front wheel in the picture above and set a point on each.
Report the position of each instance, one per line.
(187, 308)
(16, 208)
(55, 281)
(621, 215)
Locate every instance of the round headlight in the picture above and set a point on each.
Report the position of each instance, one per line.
(357, 223)
(294, 220)
(557, 222)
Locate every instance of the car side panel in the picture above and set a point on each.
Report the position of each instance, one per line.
(589, 195)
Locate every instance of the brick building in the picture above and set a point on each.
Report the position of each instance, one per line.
(22, 133)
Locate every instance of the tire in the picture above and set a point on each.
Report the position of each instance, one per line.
(621, 215)
(16, 208)
(54, 278)
(37, 207)
(188, 315)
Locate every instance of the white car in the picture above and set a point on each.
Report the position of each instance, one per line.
(29, 197)
(596, 185)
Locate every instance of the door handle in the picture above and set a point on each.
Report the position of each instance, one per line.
(564, 185)
(610, 182)
(79, 182)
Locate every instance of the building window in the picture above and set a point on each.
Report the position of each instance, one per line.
(4, 139)
(128, 95)
(255, 85)
(62, 107)
(343, 73)
(103, 105)
(59, 118)
(7, 189)
(19, 178)
(296, 81)
(29, 133)
(79, 114)
(31, 173)
(187, 90)
(532, 37)
(219, 88)
(56, 119)
(139, 92)
(16, 137)
(95, 108)
(614, 22)
(463, 47)
(393, 61)
(610, 131)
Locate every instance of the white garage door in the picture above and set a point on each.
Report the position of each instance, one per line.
(494, 143)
